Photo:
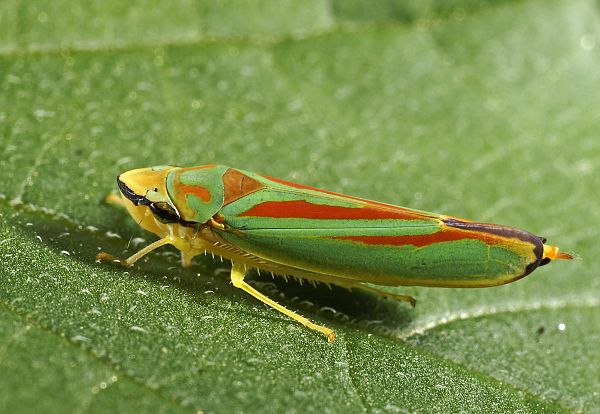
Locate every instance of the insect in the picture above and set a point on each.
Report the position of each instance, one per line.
(257, 221)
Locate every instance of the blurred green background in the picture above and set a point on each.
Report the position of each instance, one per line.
(478, 109)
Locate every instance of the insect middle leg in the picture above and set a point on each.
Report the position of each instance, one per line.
(238, 272)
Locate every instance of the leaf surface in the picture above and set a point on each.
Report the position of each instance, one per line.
(476, 109)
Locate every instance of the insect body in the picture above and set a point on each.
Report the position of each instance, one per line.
(262, 222)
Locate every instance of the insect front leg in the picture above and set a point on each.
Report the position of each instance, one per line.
(238, 272)
(103, 256)
(115, 200)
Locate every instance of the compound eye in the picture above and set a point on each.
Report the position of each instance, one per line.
(164, 212)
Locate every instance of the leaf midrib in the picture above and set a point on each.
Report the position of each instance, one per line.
(400, 339)
(179, 401)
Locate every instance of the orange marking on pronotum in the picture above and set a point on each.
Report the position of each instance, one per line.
(306, 210)
(201, 192)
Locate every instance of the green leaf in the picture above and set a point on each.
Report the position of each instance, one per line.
(470, 108)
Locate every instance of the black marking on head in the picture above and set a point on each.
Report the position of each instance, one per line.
(163, 212)
(128, 192)
(545, 261)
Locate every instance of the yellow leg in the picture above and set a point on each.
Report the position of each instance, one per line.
(403, 298)
(103, 256)
(237, 278)
(186, 259)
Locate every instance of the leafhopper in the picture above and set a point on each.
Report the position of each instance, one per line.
(261, 222)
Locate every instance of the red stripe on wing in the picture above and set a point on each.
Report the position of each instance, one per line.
(413, 214)
(306, 210)
(421, 240)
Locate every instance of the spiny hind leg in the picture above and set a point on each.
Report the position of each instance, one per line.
(404, 298)
(238, 272)
(107, 257)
